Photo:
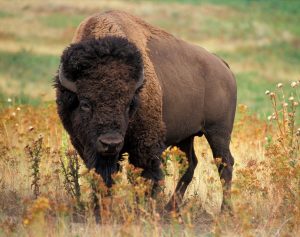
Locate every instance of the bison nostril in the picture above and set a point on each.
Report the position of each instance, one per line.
(109, 142)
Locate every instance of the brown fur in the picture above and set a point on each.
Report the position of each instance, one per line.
(187, 91)
(118, 23)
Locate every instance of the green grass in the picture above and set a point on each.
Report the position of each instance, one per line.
(269, 60)
(4, 14)
(282, 5)
(259, 40)
(26, 74)
(27, 67)
(16, 100)
(282, 52)
(277, 13)
(251, 92)
(59, 20)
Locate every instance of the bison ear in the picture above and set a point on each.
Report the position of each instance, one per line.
(66, 99)
(140, 81)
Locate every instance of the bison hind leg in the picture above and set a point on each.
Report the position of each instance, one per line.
(219, 140)
(186, 146)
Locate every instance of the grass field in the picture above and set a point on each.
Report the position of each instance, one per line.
(261, 42)
(259, 39)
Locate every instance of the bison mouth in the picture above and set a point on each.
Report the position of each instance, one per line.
(108, 155)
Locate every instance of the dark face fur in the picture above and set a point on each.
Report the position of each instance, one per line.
(107, 75)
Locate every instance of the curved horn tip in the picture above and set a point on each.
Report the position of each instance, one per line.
(65, 82)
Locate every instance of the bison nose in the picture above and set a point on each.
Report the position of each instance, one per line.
(109, 143)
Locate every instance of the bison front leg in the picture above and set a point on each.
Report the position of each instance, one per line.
(150, 161)
(154, 172)
(187, 147)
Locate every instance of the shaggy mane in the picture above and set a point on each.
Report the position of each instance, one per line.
(79, 58)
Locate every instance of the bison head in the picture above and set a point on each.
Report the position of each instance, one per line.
(98, 88)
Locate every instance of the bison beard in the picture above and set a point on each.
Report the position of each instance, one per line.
(106, 168)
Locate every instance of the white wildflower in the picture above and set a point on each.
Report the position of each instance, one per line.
(294, 84)
(272, 94)
(279, 85)
(270, 118)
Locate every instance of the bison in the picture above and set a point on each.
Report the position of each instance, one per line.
(126, 86)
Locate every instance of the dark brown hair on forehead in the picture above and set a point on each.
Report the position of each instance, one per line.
(81, 58)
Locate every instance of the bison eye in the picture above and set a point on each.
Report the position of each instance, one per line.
(132, 106)
(85, 106)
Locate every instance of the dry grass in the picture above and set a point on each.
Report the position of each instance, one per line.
(45, 189)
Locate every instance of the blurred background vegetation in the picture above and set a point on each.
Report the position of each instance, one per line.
(259, 39)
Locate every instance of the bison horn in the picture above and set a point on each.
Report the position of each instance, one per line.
(65, 82)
